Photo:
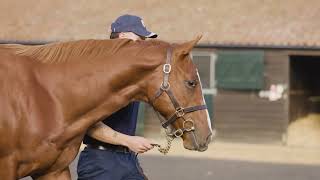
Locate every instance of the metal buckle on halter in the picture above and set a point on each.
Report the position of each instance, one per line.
(178, 133)
(167, 68)
(180, 112)
(165, 88)
(189, 128)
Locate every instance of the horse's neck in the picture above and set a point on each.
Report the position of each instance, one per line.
(95, 89)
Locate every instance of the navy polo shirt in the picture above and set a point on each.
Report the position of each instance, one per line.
(124, 121)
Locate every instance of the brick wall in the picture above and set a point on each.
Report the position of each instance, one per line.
(272, 22)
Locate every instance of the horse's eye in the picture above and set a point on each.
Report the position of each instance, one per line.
(191, 83)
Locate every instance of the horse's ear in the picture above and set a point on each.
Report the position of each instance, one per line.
(186, 47)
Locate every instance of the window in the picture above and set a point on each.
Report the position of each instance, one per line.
(240, 70)
(205, 62)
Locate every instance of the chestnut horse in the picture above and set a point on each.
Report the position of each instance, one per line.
(51, 94)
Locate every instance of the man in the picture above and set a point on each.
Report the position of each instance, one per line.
(111, 148)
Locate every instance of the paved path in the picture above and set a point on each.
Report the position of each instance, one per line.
(178, 168)
(223, 161)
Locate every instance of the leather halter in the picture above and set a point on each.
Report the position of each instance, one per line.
(179, 110)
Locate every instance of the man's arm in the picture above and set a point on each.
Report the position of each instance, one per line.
(104, 133)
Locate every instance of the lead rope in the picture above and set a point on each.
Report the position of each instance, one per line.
(164, 150)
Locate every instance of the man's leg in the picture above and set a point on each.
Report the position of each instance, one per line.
(96, 164)
(138, 173)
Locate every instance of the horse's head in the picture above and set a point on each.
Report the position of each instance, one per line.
(179, 98)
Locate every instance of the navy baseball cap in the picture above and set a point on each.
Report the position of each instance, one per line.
(131, 23)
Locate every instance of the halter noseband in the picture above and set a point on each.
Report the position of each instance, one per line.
(188, 124)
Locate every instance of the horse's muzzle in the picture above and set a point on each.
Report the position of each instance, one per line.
(204, 147)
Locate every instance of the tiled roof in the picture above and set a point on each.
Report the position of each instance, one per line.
(242, 22)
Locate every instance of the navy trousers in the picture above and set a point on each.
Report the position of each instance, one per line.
(95, 164)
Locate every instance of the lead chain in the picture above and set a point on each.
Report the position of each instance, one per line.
(165, 150)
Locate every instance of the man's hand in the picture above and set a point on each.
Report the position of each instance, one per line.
(138, 144)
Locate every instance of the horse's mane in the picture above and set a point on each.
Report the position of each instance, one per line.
(63, 51)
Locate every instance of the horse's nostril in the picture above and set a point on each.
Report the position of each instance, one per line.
(209, 138)
(203, 147)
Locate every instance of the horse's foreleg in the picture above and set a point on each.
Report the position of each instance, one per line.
(61, 175)
(8, 168)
